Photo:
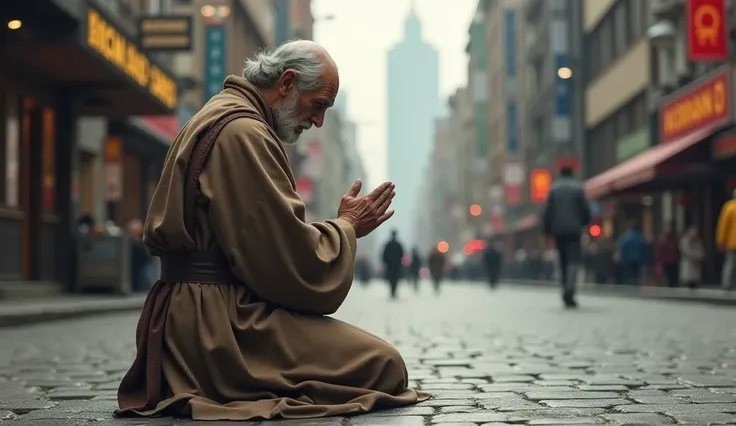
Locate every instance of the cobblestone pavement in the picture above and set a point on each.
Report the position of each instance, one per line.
(511, 356)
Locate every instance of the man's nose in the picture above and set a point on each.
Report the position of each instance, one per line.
(318, 119)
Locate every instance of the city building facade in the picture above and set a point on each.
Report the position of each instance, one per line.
(41, 111)
(668, 127)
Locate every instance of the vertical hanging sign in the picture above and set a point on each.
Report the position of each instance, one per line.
(707, 24)
(480, 90)
(512, 125)
(215, 63)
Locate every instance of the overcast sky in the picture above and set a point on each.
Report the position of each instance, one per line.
(359, 38)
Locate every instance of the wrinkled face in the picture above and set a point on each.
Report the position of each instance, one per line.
(300, 110)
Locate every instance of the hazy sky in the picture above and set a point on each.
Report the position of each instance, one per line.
(359, 37)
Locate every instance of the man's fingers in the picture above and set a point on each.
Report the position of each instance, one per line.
(385, 195)
(380, 190)
(383, 206)
(384, 217)
(355, 189)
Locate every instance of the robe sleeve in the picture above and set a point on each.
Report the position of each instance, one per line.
(258, 220)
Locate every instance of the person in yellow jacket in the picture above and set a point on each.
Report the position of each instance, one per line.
(726, 241)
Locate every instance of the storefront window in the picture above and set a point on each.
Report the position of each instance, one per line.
(12, 151)
(48, 165)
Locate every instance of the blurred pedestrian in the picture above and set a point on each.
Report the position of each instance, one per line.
(667, 255)
(436, 265)
(492, 262)
(566, 213)
(691, 261)
(393, 254)
(726, 241)
(237, 328)
(415, 268)
(632, 254)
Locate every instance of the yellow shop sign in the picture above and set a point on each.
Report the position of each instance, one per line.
(125, 56)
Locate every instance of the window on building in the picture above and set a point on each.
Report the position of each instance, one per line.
(621, 28)
(606, 44)
(636, 19)
(639, 112)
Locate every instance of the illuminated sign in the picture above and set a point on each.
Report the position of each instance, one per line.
(708, 104)
(707, 23)
(124, 55)
(539, 183)
(165, 33)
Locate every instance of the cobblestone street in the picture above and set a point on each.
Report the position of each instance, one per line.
(511, 356)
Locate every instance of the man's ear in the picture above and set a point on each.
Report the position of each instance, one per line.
(287, 82)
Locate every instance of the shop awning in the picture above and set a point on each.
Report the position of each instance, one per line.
(641, 168)
(95, 59)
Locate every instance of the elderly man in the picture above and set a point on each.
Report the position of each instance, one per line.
(235, 329)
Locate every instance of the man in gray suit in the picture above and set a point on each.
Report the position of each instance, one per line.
(566, 214)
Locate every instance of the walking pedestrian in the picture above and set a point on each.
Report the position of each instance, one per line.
(632, 253)
(667, 256)
(393, 254)
(692, 255)
(726, 241)
(566, 213)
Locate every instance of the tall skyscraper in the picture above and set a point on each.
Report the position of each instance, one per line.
(413, 104)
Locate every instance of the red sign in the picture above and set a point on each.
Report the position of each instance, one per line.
(707, 104)
(540, 180)
(706, 30)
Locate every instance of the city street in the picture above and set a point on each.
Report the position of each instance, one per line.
(510, 356)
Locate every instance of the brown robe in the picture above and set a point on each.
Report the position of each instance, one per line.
(262, 349)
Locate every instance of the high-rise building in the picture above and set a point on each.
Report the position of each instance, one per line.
(413, 104)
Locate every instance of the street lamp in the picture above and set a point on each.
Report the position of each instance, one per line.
(14, 24)
(210, 11)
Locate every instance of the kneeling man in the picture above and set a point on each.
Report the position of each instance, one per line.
(235, 329)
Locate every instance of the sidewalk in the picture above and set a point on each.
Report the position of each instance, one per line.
(23, 312)
(706, 295)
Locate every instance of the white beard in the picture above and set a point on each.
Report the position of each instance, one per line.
(286, 120)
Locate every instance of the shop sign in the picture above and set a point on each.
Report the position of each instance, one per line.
(724, 147)
(707, 104)
(706, 30)
(125, 56)
(165, 33)
(633, 144)
(215, 61)
(540, 181)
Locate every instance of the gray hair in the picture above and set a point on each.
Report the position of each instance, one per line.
(269, 64)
